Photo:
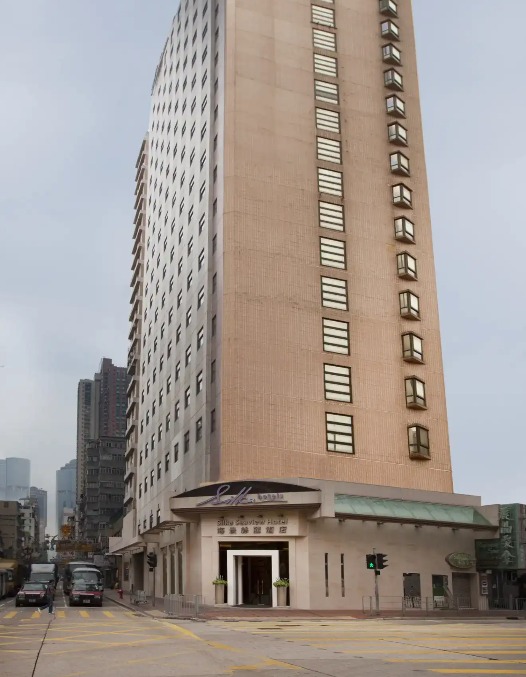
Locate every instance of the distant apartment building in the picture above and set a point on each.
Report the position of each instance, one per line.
(11, 529)
(14, 478)
(40, 497)
(66, 488)
(104, 487)
(101, 411)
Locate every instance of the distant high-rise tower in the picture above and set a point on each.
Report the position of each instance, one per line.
(101, 411)
(66, 489)
(14, 478)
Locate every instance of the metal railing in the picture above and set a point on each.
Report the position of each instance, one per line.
(183, 606)
(430, 605)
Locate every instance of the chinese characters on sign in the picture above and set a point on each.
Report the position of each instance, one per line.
(252, 527)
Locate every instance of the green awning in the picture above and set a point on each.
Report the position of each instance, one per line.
(409, 512)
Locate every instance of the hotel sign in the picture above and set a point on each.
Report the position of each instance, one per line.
(224, 497)
(460, 560)
(260, 526)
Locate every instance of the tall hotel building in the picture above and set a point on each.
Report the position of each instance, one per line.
(287, 411)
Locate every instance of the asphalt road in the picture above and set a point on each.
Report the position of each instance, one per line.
(114, 641)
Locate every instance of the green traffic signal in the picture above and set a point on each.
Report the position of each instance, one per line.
(370, 561)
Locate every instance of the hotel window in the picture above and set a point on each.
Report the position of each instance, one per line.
(334, 293)
(178, 333)
(412, 348)
(404, 229)
(388, 29)
(177, 411)
(324, 40)
(201, 259)
(328, 120)
(397, 134)
(395, 106)
(322, 15)
(339, 432)
(176, 452)
(393, 80)
(179, 301)
(332, 253)
(199, 382)
(167, 422)
(330, 182)
(337, 381)
(213, 421)
(188, 356)
(331, 216)
(406, 265)
(399, 163)
(187, 398)
(391, 54)
(409, 305)
(388, 7)
(200, 338)
(200, 297)
(159, 470)
(402, 195)
(329, 150)
(188, 317)
(335, 336)
(177, 371)
(166, 462)
(326, 65)
(186, 442)
(189, 280)
(198, 429)
(415, 393)
(326, 91)
(212, 371)
(418, 440)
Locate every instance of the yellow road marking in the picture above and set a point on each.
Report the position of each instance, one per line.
(62, 614)
(460, 661)
(108, 614)
(35, 614)
(11, 614)
(263, 664)
(183, 631)
(225, 647)
(84, 614)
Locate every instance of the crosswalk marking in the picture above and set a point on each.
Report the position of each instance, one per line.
(61, 613)
(84, 614)
(452, 671)
(108, 614)
(11, 614)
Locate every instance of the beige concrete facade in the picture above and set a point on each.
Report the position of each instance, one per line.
(267, 317)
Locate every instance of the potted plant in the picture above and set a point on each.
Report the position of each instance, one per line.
(220, 585)
(281, 585)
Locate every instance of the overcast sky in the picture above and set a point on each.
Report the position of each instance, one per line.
(75, 79)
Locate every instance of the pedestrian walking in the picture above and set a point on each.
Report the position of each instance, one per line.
(50, 601)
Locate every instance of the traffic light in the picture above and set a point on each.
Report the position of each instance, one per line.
(381, 561)
(151, 558)
(371, 562)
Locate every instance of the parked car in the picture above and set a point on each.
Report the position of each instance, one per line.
(33, 594)
(84, 593)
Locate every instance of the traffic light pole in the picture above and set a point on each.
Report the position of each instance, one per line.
(376, 591)
(153, 600)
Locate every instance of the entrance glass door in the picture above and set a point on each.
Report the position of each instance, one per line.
(257, 581)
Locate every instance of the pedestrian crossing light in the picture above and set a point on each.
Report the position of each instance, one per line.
(371, 562)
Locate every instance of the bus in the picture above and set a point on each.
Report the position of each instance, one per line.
(15, 575)
(68, 573)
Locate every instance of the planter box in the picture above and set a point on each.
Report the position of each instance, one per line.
(282, 596)
(220, 593)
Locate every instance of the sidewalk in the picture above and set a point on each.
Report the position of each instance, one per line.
(226, 613)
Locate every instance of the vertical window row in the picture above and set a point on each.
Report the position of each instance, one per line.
(334, 292)
(412, 345)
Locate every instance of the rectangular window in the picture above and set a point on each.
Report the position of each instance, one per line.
(334, 293)
(406, 265)
(404, 229)
(402, 196)
(342, 573)
(213, 371)
(186, 442)
(188, 356)
(335, 336)
(166, 462)
(213, 420)
(200, 297)
(412, 348)
(415, 393)
(395, 106)
(176, 452)
(339, 429)
(331, 216)
(329, 150)
(326, 91)
(328, 120)
(409, 305)
(326, 65)
(324, 40)
(418, 438)
(322, 15)
(200, 338)
(337, 382)
(198, 429)
(330, 182)
(332, 253)
(326, 571)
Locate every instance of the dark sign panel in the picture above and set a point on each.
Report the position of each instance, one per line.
(505, 552)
